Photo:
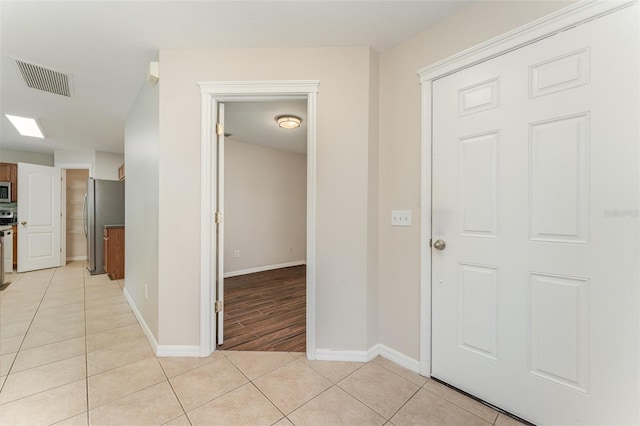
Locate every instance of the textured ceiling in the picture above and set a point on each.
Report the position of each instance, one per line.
(106, 47)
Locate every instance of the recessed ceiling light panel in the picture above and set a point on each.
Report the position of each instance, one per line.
(26, 126)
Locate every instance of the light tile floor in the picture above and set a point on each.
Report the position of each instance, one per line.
(72, 353)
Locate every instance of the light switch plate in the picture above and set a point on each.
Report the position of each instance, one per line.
(400, 217)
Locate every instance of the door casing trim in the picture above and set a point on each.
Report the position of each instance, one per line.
(211, 93)
(561, 20)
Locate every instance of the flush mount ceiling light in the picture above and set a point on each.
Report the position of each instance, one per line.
(26, 126)
(288, 121)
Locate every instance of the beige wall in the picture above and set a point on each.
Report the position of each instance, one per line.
(10, 156)
(104, 164)
(107, 164)
(265, 209)
(400, 151)
(141, 205)
(342, 156)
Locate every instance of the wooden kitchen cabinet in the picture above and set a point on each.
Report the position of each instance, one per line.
(15, 246)
(114, 252)
(9, 173)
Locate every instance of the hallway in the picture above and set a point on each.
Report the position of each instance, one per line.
(72, 353)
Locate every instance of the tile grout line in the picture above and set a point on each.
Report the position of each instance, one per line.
(26, 332)
(86, 341)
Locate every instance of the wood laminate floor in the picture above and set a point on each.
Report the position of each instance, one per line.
(266, 311)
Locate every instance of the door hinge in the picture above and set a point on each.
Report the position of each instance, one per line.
(219, 129)
(218, 217)
(218, 306)
(430, 242)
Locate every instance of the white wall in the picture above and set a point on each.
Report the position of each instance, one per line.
(400, 151)
(141, 205)
(342, 202)
(265, 208)
(104, 165)
(107, 164)
(10, 156)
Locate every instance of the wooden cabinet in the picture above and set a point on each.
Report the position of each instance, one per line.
(15, 246)
(114, 252)
(9, 173)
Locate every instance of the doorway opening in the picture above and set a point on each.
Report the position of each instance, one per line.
(265, 173)
(74, 238)
(215, 97)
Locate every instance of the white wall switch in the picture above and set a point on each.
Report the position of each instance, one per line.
(400, 217)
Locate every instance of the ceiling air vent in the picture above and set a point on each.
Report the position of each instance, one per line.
(46, 79)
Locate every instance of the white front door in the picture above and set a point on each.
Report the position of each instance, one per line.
(38, 217)
(536, 195)
(220, 223)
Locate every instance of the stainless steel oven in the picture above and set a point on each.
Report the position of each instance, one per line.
(5, 192)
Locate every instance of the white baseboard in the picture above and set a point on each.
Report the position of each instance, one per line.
(365, 356)
(161, 350)
(143, 324)
(263, 268)
(399, 358)
(338, 355)
(71, 259)
(172, 351)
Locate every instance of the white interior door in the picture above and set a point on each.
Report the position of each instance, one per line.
(39, 219)
(536, 195)
(220, 223)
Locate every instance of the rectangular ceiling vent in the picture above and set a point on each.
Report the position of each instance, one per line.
(41, 78)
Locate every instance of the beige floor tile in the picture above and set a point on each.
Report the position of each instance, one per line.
(401, 371)
(471, 405)
(335, 407)
(7, 320)
(333, 370)
(180, 421)
(176, 366)
(108, 323)
(35, 357)
(118, 355)
(256, 364)
(298, 354)
(79, 420)
(291, 386)
(426, 408)
(106, 339)
(12, 329)
(10, 344)
(205, 383)
(125, 380)
(46, 407)
(5, 363)
(154, 405)
(59, 311)
(2, 380)
(53, 335)
(503, 420)
(242, 406)
(39, 379)
(283, 422)
(106, 311)
(379, 388)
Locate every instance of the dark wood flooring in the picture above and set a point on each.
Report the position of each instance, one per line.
(266, 311)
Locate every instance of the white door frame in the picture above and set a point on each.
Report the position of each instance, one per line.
(213, 92)
(561, 20)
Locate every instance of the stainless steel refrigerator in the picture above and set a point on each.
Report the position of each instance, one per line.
(103, 205)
